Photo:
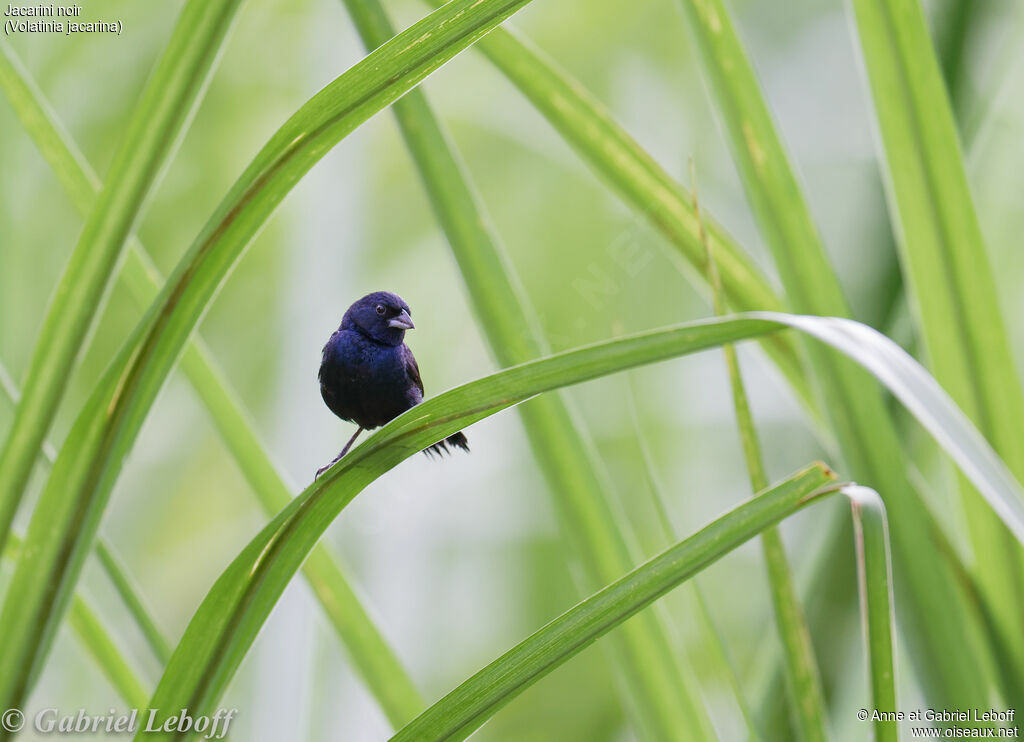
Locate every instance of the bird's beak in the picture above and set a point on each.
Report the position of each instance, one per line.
(402, 321)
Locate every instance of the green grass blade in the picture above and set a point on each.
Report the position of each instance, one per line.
(97, 641)
(41, 124)
(131, 597)
(606, 147)
(1011, 675)
(374, 660)
(229, 618)
(950, 281)
(803, 681)
(768, 178)
(960, 22)
(466, 708)
(721, 664)
(661, 698)
(931, 601)
(71, 506)
(927, 401)
(643, 184)
(871, 536)
(165, 105)
(372, 657)
(87, 625)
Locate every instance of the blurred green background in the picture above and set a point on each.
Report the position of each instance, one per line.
(460, 559)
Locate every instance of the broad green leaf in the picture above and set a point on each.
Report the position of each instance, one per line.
(657, 684)
(229, 618)
(374, 660)
(466, 708)
(950, 281)
(65, 522)
(171, 94)
(941, 639)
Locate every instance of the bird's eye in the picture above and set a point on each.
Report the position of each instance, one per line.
(380, 309)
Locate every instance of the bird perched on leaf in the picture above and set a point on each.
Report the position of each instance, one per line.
(368, 375)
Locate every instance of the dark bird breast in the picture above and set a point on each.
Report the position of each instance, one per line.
(367, 382)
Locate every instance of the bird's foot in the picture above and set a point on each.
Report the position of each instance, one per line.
(324, 468)
(337, 458)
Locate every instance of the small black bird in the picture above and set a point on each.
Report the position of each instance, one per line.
(368, 375)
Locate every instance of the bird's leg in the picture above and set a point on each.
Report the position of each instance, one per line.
(337, 458)
(348, 445)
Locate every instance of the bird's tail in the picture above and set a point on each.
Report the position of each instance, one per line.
(458, 440)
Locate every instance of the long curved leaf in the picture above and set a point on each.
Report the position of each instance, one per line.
(71, 506)
(657, 685)
(229, 618)
(867, 437)
(928, 402)
(641, 182)
(170, 96)
(462, 711)
(373, 658)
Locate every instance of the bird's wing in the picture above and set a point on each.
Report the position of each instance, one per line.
(412, 369)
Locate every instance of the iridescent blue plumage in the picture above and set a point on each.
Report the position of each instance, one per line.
(368, 375)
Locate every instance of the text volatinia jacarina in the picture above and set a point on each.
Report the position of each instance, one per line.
(368, 375)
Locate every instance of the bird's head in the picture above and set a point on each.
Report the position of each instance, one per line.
(381, 316)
